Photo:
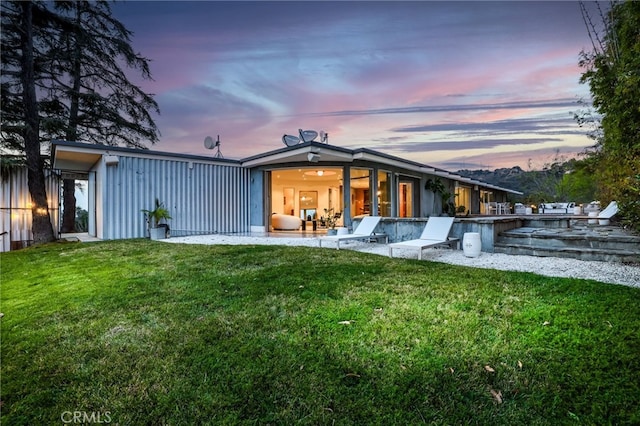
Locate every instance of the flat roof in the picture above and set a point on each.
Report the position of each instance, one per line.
(316, 152)
(78, 156)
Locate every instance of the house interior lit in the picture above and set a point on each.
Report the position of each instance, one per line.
(312, 193)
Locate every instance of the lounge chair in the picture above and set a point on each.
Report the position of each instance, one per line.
(608, 213)
(364, 231)
(435, 233)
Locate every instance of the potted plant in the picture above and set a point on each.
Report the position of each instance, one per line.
(437, 187)
(331, 221)
(157, 230)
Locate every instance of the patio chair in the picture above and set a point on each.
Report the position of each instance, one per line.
(364, 231)
(435, 233)
(608, 213)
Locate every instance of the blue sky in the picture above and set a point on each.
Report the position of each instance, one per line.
(451, 84)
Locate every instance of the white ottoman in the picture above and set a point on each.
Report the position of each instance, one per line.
(285, 222)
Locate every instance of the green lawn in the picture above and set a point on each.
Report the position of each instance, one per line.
(152, 333)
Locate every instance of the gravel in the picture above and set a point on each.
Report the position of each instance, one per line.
(606, 272)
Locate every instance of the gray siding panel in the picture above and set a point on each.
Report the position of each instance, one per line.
(202, 198)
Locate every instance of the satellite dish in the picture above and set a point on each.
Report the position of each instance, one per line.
(308, 135)
(289, 140)
(209, 143)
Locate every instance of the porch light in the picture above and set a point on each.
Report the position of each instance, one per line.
(320, 172)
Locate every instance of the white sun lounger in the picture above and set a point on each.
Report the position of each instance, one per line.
(608, 213)
(435, 233)
(363, 231)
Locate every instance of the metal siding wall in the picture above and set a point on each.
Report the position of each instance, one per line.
(203, 198)
(15, 215)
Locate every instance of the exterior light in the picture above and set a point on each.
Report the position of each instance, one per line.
(320, 172)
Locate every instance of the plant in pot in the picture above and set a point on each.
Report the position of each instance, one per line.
(157, 230)
(437, 187)
(331, 220)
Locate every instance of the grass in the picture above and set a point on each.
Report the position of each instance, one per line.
(153, 333)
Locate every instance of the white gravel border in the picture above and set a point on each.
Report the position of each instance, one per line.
(607, 272)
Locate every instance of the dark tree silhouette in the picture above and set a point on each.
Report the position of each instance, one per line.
(84, 93)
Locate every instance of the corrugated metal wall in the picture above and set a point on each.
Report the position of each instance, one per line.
(15, 208)
(202, 198)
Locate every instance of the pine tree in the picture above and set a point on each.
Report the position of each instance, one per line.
(85, 95)
(23, 24)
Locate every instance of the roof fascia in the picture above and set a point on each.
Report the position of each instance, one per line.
(283, 154)
(132, 152)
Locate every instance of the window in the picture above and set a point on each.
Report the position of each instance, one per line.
(308, 205)
(486, 200)
(360, 192)
(463, 200)
(384, 193)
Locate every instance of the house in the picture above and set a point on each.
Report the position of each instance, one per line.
(215, 195)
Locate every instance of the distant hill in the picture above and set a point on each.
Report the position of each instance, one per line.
(512, 178)
(559, 181)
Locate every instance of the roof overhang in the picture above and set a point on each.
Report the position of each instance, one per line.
(70, 158)
(311, 152)
(82, 157)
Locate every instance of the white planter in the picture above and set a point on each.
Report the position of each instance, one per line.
(577, 210)
(593, 218)
(528, 210)
(343, 231)
(471, 244)
(332, 231)
(157, 233)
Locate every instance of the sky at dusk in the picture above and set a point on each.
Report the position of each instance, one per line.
(453, 85)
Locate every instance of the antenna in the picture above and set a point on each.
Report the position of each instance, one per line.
(324, 137)
(210, 144)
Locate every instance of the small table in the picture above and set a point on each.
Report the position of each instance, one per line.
(471, 244)
(314, 224)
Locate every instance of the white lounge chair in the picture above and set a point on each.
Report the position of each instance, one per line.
(435, 233)
(363, 231)
(608, 213)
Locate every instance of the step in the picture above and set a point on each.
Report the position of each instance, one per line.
(558, 238)
(604, 255)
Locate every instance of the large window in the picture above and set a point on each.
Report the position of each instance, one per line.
(308, 205)
(306, 192)
(463, 200)
(486, 202)
(384, 193)
(360, 192)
